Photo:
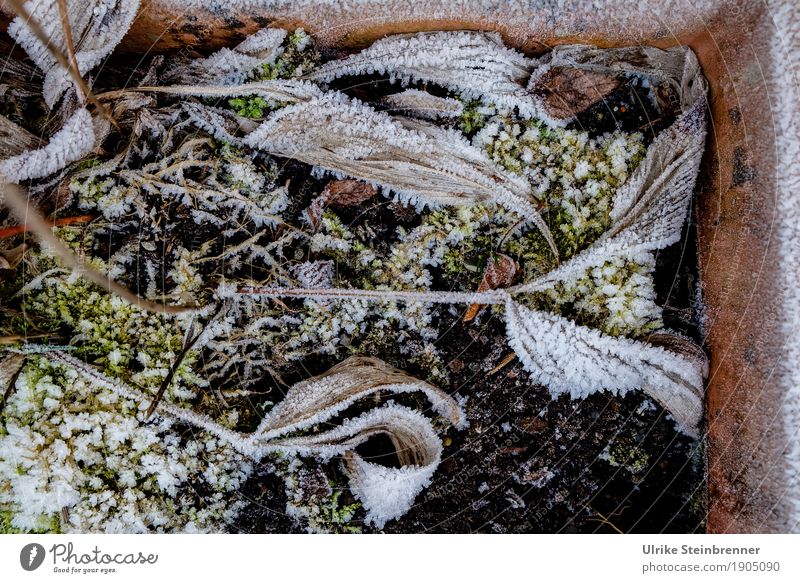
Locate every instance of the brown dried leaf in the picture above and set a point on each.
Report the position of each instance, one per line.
(565, 92)
(344, 193)
(500, 272)
(338, 193)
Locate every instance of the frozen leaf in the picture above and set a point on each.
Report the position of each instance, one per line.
(320, 398)
(500, 273)
(344, 193)
(69, 144)
(473, 64)
(386, 493)
(97, 27)
(338, 193)
(419, 162)
(231, 66)
(573, 359)
(673, 75)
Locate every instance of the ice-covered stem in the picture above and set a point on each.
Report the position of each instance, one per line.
(275, 90)
(434, 297)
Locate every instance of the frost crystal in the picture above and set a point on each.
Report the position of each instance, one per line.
(69, 144)
(232, 66)
(423, 105)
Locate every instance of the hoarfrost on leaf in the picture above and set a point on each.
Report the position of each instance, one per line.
(72, 142)
(473, 64)
(97, 27)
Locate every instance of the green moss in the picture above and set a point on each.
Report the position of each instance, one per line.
(339, 517)
(472, 118)
(52, 525)
(123, 340)
(626, 454)
(298, 58)
(253, 107)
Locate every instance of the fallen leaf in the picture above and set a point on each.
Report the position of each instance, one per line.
(344, 193)
(338, 193)
(500, 272)
(565, 92)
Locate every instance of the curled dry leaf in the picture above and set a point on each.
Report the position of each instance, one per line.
(573, 359)
(500, 273)
(386, 493)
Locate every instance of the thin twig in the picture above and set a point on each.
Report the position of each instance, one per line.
(187, 346)
(65, 24)
(17, 202)
(19, 229)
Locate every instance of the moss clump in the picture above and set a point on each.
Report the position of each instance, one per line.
(626, 454)
(574, 175)
(251, 107)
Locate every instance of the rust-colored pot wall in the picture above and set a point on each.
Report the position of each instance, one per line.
(735, 210)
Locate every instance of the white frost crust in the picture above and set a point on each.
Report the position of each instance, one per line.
(387, 493)
(232, 66)
(69, 144)
(474, 64)
(783, 83)
(97, 28)
(573, 359)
